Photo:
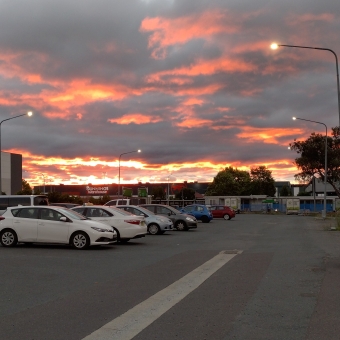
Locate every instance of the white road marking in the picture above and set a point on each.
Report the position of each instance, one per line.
(129, 324)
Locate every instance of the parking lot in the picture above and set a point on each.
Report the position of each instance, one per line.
(58, 292)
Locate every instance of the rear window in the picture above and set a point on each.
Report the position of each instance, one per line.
(40, 200)
(25, 213)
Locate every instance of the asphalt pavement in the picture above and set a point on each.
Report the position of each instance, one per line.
(280, 283)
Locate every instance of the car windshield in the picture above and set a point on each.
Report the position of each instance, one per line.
(72, 214)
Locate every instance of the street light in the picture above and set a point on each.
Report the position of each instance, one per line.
(125, 153)
(274, 46)
(168, 189)
(324, 212)
(24, 114)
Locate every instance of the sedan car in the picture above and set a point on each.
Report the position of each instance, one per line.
(200, 211)
(181, 221)
(126, 225)
(222, 211)
(155, 224)
(44, 224)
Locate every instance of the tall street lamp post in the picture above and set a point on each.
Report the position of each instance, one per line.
(324, 212)
(24, 114)
(168, 198)
(274, 46)
(125, 153)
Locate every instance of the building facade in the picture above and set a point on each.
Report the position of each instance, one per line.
(11, 173)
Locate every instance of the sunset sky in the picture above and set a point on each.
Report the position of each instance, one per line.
(192, 83)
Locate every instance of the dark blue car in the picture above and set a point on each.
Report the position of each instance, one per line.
(200, 211)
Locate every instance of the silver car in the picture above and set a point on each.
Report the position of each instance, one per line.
(156, 224)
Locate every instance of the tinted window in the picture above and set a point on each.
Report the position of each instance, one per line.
(97, 212)
(49, 214)
(14, 201)
(27, 213)
(151, 208)
(163, 210)
(135, 211)
(40, 200)
(80, 211)
(3, 203)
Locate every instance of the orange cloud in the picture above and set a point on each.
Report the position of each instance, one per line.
(203, 67)
(267, 135)
(136, 118)
(167, 32)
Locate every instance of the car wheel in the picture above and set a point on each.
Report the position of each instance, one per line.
(80, 240)
(118, 235)
(8, 238)
(181, 225)
(226, 217)
(153, 229)
(205, 219)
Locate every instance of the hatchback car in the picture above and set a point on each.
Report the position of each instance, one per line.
(42, 224)
(126, 225)
(155, 224)
(200, 211)
(181, 221)
(222, 211)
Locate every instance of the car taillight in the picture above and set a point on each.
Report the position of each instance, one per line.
(2, 218)
(133, 221)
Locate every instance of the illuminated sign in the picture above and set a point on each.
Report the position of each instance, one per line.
(97, 190)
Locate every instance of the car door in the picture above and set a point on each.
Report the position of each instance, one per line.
(215, 212)
(25, 223)
(199, 212)
(50, 228)
(166, 212)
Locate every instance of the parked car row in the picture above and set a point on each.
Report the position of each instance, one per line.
(84, 226)
(46, 224)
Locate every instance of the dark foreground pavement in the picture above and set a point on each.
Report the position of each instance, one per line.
(284, 284)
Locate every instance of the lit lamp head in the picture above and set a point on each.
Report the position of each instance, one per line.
(29, 113)
(274, 46)
(294, 118)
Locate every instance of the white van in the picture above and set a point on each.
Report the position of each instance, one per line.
(15, 200)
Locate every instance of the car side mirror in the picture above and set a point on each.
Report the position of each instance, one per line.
(63, 219)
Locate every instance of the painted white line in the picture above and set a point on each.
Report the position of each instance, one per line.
(129, 324)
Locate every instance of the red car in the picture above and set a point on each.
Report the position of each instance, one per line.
(222, 211)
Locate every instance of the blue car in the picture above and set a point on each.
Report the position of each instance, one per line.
(200, 211)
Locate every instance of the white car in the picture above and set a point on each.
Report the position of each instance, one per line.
(126, 225)
(156, 224)
(45, 224)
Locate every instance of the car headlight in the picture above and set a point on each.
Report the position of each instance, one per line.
(190, 219)
(101, 230)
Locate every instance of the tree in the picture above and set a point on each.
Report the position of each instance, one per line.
(285, 191)
(26, 188)
(230, 182)
(311, 158)
(158, 193)
(185, 194)
(57, 197)
(262, 182)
